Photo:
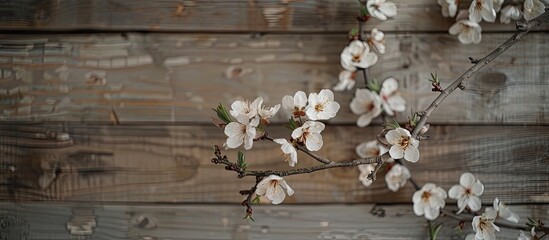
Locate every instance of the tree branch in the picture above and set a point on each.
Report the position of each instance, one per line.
(349, 163)
(523, 28)
(306, 151)
(468, 218)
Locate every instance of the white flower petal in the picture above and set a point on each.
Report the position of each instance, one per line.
(456, 192)
(477, 188)
(365, 119)
(474, 203)
(393, 137)
(314, 142)
(396, 152)
(431, 213)
(275, 194)
(297, 133)
(419, 208)
(411, 154)
(285, 185)
(300, 99)
(467, 179)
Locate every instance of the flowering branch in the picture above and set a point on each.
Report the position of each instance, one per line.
(222, 159)
(306, 151)
(505, 224)
(523, 28)
(429, 200)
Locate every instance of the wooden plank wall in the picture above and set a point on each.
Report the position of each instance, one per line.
(67, 69)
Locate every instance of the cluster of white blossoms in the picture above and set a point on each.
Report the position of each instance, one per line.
(403, 146)
(467, 25)
(369, 103)
(430, 199)
(397, 175)
(358, 55)
(248, 116)
(305, 114)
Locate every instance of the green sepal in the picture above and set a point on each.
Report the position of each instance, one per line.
(241, 161)
(223, 114)
(374, 86)
(256, 200)
(393, 124)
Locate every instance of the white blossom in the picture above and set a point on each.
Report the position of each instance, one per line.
(510, 12)
(288, 150)
(357, 55)
(267, 112)
(403, 145)
(482, 9)
(346, 81)
(467, 192)
(295, 105)
(484, 226)
(449, 7)
(468, 31)
(504, 212)
(381, 9)
(370, 149)
(390, 97)
(397, 177)
(377, 40)
(532, 9)
(242, 131)
(366, 150)
(272, 187)
(322, 105)
(245, 108)
(497, 4)
(309, 133)
(523, 236)
(365, 170)
(429, 200)
(367, 104)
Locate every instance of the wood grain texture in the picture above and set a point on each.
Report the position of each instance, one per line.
(224, 15)
(172, 164)
(138, 221)
(179, 78)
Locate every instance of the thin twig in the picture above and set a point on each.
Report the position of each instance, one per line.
(314, 155)
(365, 74)
(306, 151)
(349, 163)
(522, 29)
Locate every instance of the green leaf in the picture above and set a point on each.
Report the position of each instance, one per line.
(256, 200)
(363, 11)
(241, 161)
(353, 32)
(293, 124)
(374, 86)
(223, 114)
(436, 230)
(392, 124)
(434, 78)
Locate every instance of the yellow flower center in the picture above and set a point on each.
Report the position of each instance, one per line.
(404, 142)
(356, 58)
(425, 196)
(319, 107)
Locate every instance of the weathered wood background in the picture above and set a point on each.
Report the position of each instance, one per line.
(68, 70)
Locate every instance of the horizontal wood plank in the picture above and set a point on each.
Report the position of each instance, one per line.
(179, 78)
(219, 15)
(172, 164)
(139, 221)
